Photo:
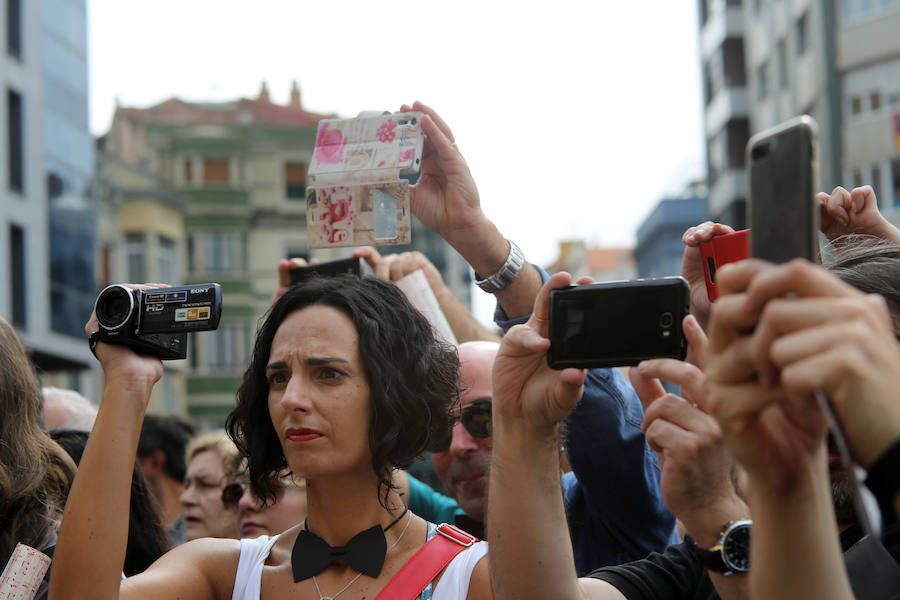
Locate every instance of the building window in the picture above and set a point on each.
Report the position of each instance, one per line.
(191, 259)
(782, 64)
(14, 28)
(801, 31)
(857, 178)
(17, 274)
(188, 170)
(855, 105)
(135, 249)
(222, 348)
(876, 179)
(704, 11)
(15, 142)
(104, 266)
(875, 100)
(218, 252)
(215, 170)
(762, 81)
(708, 91)
(168, 265)
(295, 181)
(738, 131)
(733, 58)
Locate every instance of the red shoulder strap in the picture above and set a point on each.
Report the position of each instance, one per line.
(425, 564)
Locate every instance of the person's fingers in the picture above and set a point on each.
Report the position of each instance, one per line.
(862, 198)
(696, 338)
(735, 278)
(541, 313)
(430, 112)
(585, 280)
(733, 405)
(731, 366)
(798, 277)
(522, 339)
(441, 143)
(786, 322)
(681, 373)
(865, 326)
(680, 413)
(704, 232)
(368, 254)
(838, 205)
(663, 435)
(398, 268)
(647, 387)
(728, 321)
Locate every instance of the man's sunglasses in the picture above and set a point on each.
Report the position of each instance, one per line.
(233, 492)
(475, 417)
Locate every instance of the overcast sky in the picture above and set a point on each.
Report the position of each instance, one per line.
(576, 117)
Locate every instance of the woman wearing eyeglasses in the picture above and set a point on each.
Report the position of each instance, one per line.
(209, 456)
(252, 518)
(347, 382)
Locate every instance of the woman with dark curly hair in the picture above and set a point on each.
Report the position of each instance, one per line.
(35, 472)
(347, 382)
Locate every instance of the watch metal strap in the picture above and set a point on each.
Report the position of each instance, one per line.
(515, 262)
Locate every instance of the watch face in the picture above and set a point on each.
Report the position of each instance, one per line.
(736, 548)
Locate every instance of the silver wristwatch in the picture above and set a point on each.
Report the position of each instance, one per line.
(514, 264)
(731, 554)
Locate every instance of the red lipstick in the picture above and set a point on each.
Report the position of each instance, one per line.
(302, 434)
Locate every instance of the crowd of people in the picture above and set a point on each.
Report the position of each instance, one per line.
(560, 483)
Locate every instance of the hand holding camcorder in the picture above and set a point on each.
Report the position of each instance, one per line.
(156, 321)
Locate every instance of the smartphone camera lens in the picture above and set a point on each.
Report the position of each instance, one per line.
(666, 320)
(413, 121)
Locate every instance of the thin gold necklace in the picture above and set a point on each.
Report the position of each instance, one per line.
(358, 575)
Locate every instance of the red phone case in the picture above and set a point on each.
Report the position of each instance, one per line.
(721, 250)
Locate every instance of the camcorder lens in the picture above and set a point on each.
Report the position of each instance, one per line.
(114, 306)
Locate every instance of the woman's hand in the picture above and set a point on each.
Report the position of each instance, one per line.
(130, 371)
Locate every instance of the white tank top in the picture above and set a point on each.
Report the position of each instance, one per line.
(454, 585)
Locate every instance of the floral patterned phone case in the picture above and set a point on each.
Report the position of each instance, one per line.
(357, 196)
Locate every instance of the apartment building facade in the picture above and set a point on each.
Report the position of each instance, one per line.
(46, 206)
(765, 61)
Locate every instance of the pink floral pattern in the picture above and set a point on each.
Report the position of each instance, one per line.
(386, 132)
(330, 145)
(407, 155)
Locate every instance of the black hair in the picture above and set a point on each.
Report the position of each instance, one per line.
(147, 538)
(412, 377)
(170, 434)
(872, 266)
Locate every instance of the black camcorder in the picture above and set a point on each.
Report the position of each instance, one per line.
(156, 321)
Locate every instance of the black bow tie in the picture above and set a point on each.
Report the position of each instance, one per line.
(364, 552)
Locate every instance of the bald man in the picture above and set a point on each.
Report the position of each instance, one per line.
(612, 496)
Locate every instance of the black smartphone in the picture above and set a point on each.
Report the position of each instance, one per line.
(618, 323)
(355, 266)
(781, 172)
